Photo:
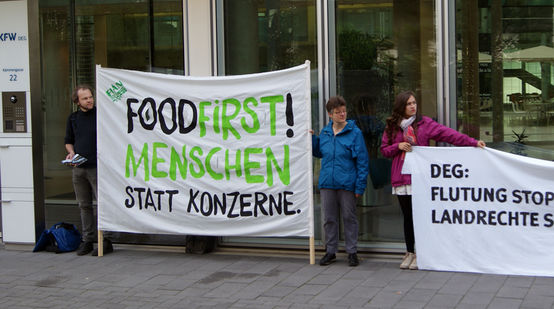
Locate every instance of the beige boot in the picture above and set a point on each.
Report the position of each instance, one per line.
(413, 264)
(407, 260)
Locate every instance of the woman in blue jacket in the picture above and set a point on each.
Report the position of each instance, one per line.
(342, 179)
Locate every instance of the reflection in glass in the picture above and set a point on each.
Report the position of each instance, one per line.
(505, 76)
(263, 35)
(139, 35)
(382, 47)
(269, 35)
(56, 37)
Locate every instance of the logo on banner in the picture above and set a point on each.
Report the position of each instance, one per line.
(116, 91)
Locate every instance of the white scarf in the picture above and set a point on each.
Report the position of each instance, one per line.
(407, 122)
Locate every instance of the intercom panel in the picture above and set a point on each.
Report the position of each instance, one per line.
(14, 111)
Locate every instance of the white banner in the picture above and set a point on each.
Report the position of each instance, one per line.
(217, 156)
(482, 210)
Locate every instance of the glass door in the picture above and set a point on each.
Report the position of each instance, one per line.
(378, 48)
(268, 35)
(144, 35)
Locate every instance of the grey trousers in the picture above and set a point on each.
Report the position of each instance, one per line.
(344, 201)
(85, 186)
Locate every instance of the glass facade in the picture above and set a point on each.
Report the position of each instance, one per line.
(261, 36)
(365, 50)
(75, 36)
(375, 49)
(378, 49)
(505, 56)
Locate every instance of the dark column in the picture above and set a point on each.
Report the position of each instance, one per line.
(407, 27)
(241, 41)
(497, 74)
(470, 67)
(273, 26)
(37, 115)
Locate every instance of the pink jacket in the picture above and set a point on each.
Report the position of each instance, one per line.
(427, 129)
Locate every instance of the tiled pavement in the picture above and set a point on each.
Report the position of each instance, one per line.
(132, 278)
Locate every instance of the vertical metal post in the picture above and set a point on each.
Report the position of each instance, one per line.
(151, 53)
(37, 115)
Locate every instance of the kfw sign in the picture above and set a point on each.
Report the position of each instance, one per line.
(8, 36)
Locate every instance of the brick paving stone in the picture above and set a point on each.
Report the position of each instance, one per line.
(445, 300)
(433, 280)
(131, 281)
(353, 302)
(179, 283)
(301, 277)
(305, 306)
(468, 306)
(519, 281)
(325, 278)
(541, 289)
(255, 289)
(544, 281)
(537, 302)
(505, 303)
(361, 292)
(490, 283)
(512, 292)
(334, 306)
(418, 295)
(384, 299)
(399, 286)
(358, 273)
(477, 298)
(274, 275)
(160, 280)
(193, 291)
(298, 299)
(226, 290)
(410, 275)
(310, 289)
(405, 304)
(278, 291)
(245, 303)
(458, 284)
(270, 299)
(380, 278)
(336, 290)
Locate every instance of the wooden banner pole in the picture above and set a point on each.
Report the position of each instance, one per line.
(100, 243)
(312, 251)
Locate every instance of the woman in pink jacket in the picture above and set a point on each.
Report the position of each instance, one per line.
(406, 127)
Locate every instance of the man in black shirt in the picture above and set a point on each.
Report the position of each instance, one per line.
(80, 138)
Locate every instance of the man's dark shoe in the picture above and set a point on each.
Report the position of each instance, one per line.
(353, 259)
(107, 246)
(327, 259)
(84, 248)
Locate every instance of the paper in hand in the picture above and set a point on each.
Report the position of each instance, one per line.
(77, 160)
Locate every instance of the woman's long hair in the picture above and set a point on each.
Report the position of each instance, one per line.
(398, 111)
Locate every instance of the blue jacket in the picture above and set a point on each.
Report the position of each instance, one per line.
(344, 158)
